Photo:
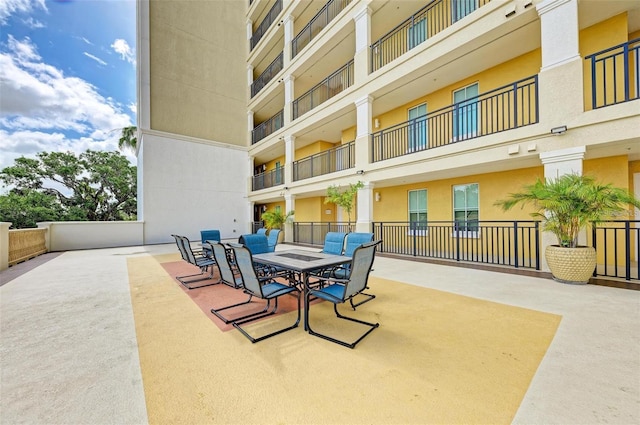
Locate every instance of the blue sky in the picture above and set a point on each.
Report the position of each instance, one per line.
(67, 75)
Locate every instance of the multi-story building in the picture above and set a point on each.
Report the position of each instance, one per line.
(438, 107)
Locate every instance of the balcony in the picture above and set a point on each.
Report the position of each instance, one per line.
(615, 74)
(268, 75)
(328, 12)
(268, 179)
(329, 161)
(268, 127)
(512, 106)
(266, 23)
(425, 23)
(325, 90)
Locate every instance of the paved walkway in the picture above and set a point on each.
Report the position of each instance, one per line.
(69, 352)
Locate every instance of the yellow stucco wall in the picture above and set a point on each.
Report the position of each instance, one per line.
(612, 170)
(319, 146)
(190, 93)
(313, 210)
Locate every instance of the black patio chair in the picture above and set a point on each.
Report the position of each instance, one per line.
(223, 256)
(339, 291)
(197, 259)
(263, 287)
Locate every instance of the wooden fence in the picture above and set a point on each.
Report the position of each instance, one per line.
(25, 244)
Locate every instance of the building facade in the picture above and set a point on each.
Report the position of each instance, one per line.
(438, 107)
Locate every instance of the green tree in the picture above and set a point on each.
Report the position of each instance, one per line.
(26, 209)
(93, 186)
(343, 198)
(128, 139)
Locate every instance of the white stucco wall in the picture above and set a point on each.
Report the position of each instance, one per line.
(71, 235)
(188, 184)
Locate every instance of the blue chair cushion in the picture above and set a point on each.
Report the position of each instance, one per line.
(256, 244)
(333, 293)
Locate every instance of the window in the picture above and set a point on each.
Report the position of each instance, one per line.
(465, 113)
(461, 8)
(417, 32)
(417, 128)
(465, 207)
(418, 211)
(278, 173)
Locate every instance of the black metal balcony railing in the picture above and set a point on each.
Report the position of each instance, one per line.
(505, 108)
(268, 179)
(617, 245)
(268, 75)
(328, 12)
(266, 23)
(505, 243)
(425, 23)
(615, 74)
(335, 83)
(313, 233)
(268, 127)
(329, 161)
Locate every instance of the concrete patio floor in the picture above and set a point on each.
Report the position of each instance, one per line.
(69, 352)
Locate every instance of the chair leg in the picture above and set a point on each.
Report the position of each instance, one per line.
(371, 326)
(253, 316)
(199, 277)
(368, 298)
(236, 324)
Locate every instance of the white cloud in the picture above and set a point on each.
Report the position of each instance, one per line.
(11, 7)
(133, 107)
(125, 51)
(86, 41)
(95, 58)
(45, 110)
(32, 23)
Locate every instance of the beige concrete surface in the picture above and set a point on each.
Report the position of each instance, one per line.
(69, 350)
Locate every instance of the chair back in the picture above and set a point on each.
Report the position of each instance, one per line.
(354, 240)
(210, 235)
(261, 231)
(361, 264)
(272, 239)
(183, 253)
(244, 261)
(191, 258)
(257, 244)
(220, 256)
(333, 243)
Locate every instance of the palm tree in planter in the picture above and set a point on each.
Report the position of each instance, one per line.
(275, 219)
(567, 205)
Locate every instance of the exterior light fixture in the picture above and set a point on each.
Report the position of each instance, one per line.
(559, 130)
(360, 172)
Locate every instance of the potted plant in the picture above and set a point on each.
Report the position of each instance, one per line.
(276, 219)
(567, 205)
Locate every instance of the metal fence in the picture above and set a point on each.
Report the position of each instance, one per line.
(267, 127)
(615, 74)
(266, 23)
(268, 179)
(617, 245)
(505, 108)
(268, 75)
(316, 24)
(326, 89)
(329, 161)
(313, 233)
(425, 23)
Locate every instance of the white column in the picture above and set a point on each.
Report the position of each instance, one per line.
(288, 99)
(250, 126)
(563, 161)
(289, 205)
(364, 107)
(287, 22)
(365, 208)
(362, 20)
(289, 156)
(4, 245)
(559, 32)
(249, 79)
(249, 33)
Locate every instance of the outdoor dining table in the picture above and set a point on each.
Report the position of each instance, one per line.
(303, 262)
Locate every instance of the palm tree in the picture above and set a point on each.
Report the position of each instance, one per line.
(128, 139)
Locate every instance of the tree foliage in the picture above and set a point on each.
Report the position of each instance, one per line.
(570, 203)
(343, 198)
(93, 186)
(128, 139)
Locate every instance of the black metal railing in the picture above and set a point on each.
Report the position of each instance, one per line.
(505, 243)
(329, 161)
(328, 12)
(615, 74)
(425, 23)
(505, 108)
(268, 127)
(335, 83)
(266, 23)
(268, 179)
(268, 75)
(617, 245)
(255, 225)
(313, 233)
